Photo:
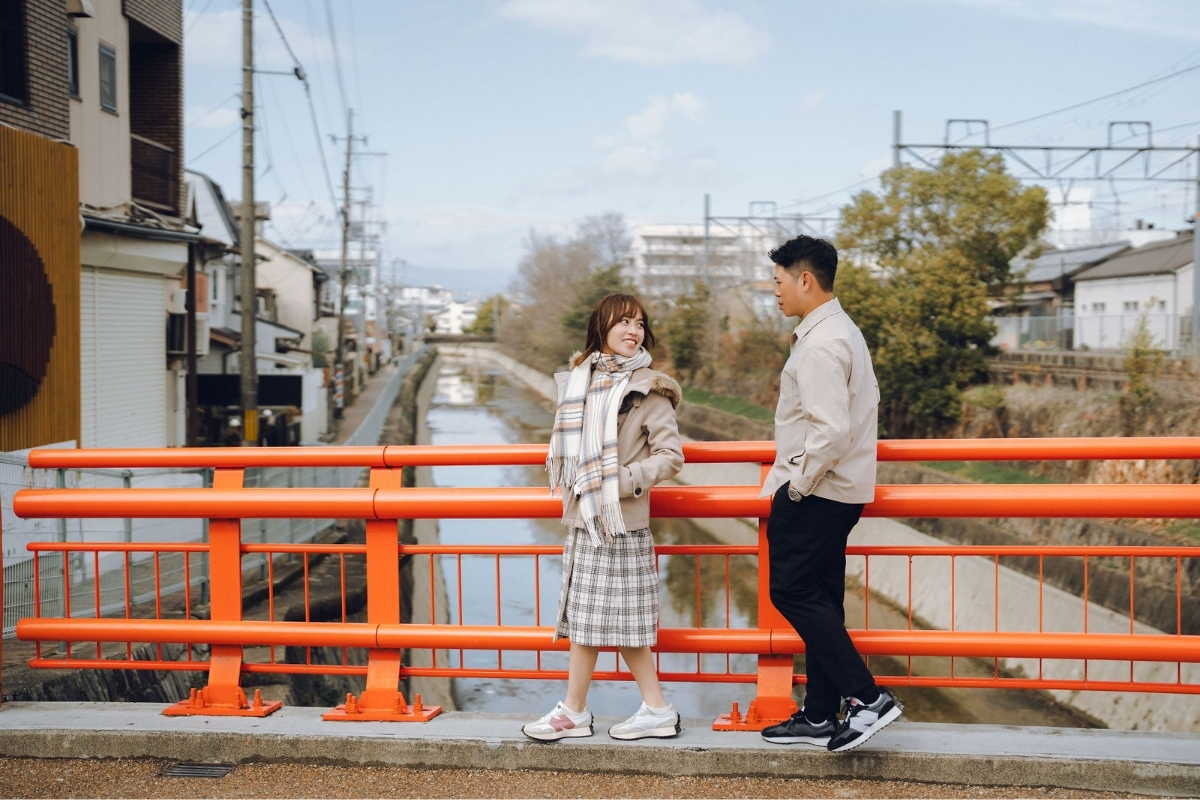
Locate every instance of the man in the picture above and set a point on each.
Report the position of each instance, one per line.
(824, 472)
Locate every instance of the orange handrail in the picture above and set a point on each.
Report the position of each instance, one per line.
(932, 500)
(1028, 449)
(752, 641)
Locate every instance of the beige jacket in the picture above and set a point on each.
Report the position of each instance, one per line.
(825, 423)
(648, 445)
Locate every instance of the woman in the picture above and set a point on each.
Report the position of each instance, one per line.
(614, 437)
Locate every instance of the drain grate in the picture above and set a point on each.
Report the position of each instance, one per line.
(198, 769)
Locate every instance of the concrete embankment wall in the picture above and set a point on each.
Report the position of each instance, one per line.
(974, 608)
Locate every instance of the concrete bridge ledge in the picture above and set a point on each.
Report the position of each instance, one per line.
(981, 755)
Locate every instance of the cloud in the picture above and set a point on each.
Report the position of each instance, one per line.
(637, 148)
(1170, 19)
(220, 117)
(647, 32)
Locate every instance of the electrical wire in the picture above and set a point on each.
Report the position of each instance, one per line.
(312, 112)
(219, 142)
(199, 14)
(1117, 93)
(337, 58)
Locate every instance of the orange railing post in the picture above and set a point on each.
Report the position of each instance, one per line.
(223, 696)
(772, 701)
(382, 699)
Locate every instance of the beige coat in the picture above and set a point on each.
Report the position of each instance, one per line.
(826, 420)
(648, 446)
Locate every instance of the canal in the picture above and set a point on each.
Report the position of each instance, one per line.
(475, 402)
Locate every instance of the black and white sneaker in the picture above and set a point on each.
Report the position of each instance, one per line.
(864, 721)
(798, 730)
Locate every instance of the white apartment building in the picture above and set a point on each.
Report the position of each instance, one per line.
(666, 261)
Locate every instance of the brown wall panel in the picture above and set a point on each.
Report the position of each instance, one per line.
(39, 291)
(45, 108)
(164, 17)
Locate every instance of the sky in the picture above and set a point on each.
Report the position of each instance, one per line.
(485, 120)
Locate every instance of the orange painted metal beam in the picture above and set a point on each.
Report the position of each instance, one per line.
(218, 457)
(971, 644)
(1046, 501)
(1028, 449)
(189, 503)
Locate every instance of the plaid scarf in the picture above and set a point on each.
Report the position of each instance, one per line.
(583, 446)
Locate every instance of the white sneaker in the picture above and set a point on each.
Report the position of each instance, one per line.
(560, 723)
(648, 724)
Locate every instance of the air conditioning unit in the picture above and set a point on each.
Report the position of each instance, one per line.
(177, 301)
(177, 334)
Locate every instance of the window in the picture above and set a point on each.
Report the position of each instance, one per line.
(108, 78)
(1098, 308)
(12, 51)
(73, 62)
(1130, 305)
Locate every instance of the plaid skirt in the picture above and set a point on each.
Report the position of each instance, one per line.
(609, 594)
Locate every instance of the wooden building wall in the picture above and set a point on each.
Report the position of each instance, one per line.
(39, 291)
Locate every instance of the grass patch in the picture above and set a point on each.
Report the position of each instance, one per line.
(733, 405)
(986, 472)
(1185, 527)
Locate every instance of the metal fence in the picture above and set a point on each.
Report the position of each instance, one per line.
(149, 577)
(1168, 332)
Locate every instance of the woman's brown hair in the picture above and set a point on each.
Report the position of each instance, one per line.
(605, 315)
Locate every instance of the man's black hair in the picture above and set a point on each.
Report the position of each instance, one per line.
(808, 252)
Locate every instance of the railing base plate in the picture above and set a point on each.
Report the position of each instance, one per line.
(340, 714)
(399, 711)
(750, 721)
(184, 708)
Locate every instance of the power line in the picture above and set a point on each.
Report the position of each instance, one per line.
(1111, 95)
(312, 112)
(220, 142)
(199, 14)
(337, 58)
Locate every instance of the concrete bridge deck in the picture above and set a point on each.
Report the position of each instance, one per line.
(979, 755)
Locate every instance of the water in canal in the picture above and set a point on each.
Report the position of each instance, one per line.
(476, 405)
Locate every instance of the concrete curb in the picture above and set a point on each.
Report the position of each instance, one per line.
(980, 755)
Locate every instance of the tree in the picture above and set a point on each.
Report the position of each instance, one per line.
(600, 284)
(1143, 360)
(485, 320)
(924, 256)
(559, 280)
(688, 330)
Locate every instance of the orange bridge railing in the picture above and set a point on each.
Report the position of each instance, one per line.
(718, 643)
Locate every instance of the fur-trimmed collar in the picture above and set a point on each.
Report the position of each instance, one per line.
(657, 382)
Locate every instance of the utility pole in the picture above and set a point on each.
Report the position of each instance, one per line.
(342, 271)
(896, 139)
(248, 359)
(1196, 262)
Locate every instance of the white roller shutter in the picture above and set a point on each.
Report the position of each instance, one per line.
(122, 359)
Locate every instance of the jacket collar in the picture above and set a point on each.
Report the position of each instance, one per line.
(815, 318)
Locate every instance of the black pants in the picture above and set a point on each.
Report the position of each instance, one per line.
(807, 546)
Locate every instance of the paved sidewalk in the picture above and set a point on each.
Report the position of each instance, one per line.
(980, 755)
(358, 408)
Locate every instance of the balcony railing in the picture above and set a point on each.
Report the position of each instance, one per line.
(154, 173)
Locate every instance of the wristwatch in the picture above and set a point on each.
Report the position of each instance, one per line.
(794, 494)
